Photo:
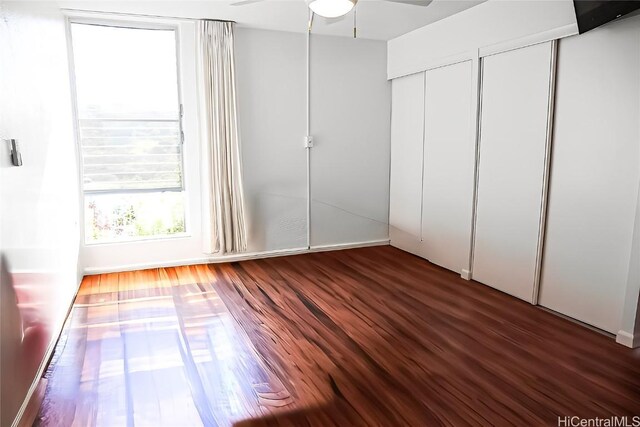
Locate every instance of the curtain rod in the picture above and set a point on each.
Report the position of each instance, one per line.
(140, 15)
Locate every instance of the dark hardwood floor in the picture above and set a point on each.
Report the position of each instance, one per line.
(370, 336)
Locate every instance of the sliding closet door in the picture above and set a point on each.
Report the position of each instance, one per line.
(407, 127)
(513, 138)
(449, 157)
(594, 176)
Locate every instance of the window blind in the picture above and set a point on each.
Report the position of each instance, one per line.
(131, 154)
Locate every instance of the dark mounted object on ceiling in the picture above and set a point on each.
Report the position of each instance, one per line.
(594, 13)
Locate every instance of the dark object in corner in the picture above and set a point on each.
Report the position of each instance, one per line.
(594, 13)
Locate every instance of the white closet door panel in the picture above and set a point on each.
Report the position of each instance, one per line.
(449, 157)
(515, 98)
(594, 175)
(407, 119)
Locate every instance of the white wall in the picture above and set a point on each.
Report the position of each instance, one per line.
(594, 175)
(271, 85)
(39, 206)
(350, 123)
(487, 24)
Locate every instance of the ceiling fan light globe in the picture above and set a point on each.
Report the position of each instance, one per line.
(331, 8)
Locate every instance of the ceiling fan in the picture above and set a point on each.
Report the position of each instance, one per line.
(335, 10)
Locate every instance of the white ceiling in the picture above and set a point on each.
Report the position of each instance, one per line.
(376, 19)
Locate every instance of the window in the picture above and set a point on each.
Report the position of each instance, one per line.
(129, 121)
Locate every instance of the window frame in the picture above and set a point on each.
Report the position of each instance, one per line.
(136, 25)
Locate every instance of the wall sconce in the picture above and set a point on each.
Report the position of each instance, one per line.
(16, 157)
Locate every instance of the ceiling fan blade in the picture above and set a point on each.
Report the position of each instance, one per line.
(412, 2)
(244, 2)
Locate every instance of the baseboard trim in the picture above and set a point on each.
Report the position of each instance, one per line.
(628, 339)
(192, 261)
(233, 258)
(45, 361)
(341, 246)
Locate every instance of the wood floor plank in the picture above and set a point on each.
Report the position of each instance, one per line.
(370, 336)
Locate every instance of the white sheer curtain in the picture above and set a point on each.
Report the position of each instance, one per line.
(224, 223)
